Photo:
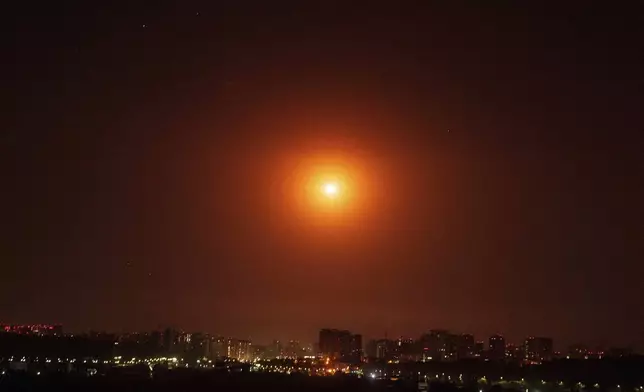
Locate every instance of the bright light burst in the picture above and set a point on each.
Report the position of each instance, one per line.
(330, 189)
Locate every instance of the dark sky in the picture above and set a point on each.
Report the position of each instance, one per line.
(154, 155)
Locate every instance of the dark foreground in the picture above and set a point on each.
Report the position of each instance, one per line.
(197, 381)
(182, 379)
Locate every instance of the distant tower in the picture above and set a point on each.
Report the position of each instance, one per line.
(497, 347)
(538, 349)
(340, 345)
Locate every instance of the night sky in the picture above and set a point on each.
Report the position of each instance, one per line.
(154, 157)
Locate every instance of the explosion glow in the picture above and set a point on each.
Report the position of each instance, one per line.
(330, 189)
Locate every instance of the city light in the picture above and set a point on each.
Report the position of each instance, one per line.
(339, 351)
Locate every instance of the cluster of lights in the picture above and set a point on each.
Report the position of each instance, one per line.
(310, 365)
(158, 360)
(259, 367)
(484, 380)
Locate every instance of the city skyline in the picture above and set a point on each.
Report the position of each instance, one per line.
(438, 356)
(473, 342)
(389, 333)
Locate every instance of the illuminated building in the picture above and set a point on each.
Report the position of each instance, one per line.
(439, 345)
(183, 341)
(245, 352)
(465, 346)
(514, 353)
(497, 348)
(356, 348)
(239, 349)
(169, 339)
(259, 352)
(218, 347)
(293, 349)
(407, 350)
(578, 352)
(479, 349)
(380, 349)
(330, 342)
(33, 329)
(538, 349)
(340, 345)
(384, 349)
(275, 350)
(198, 346)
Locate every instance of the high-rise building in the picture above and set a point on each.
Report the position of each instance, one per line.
(538, 349)
(384, 349)
(497, 348)
(293, 349)
(259, 352)
(451, 347)
(156, 342)
(355, 348)
(514, 353)
(275, 350)
(340, 345)
(218, 347)
(438, 345)
(407, 350)
(169, 340)
(245, 350)
(329, 343)
(198, 346)
(371, 348)
(479, 349)
(239, 349)
(182, 342)
(465, 346)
